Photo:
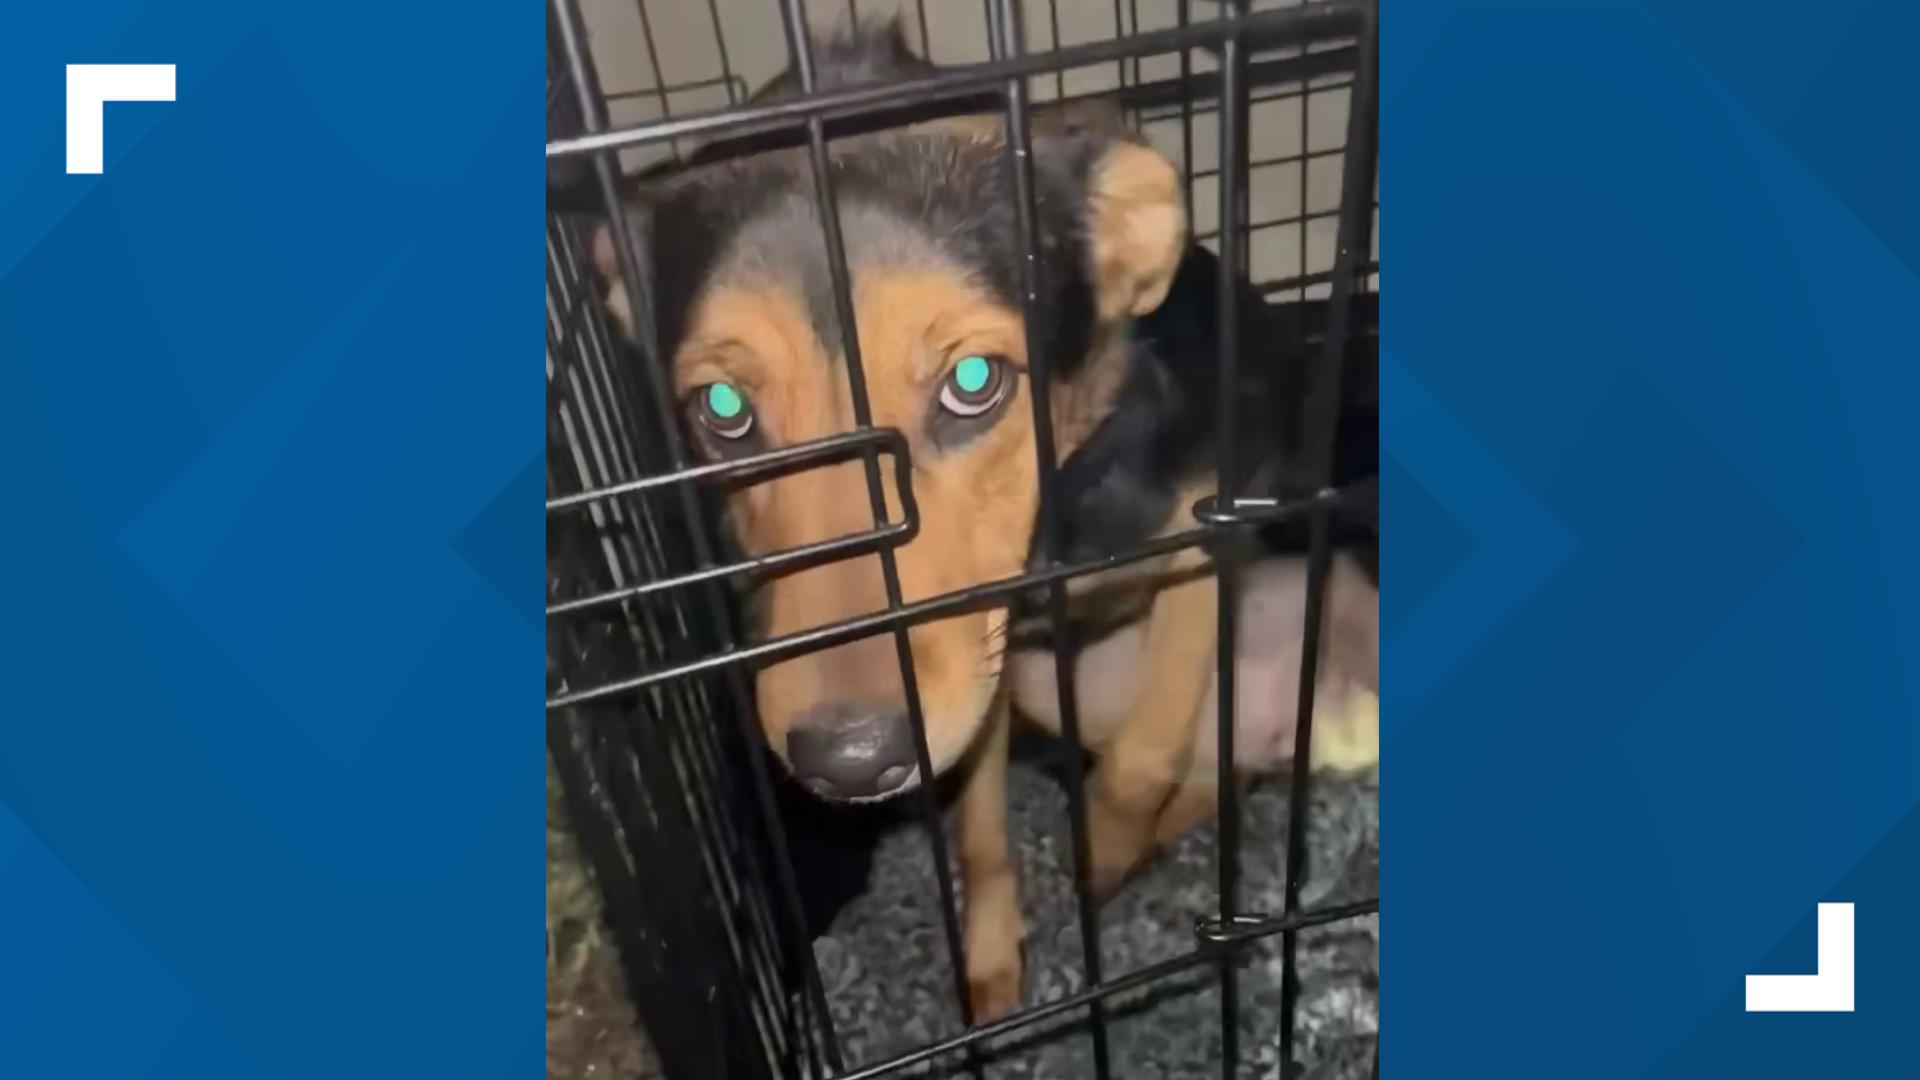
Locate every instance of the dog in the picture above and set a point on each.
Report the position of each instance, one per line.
(744, 315)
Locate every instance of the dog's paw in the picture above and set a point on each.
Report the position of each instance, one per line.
(996, 947)
(1346, 738)
(994, 986)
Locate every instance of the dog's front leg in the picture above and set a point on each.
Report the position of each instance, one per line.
(995, 929)
(1149, 753)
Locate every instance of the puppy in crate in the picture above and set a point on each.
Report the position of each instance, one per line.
(745, 316)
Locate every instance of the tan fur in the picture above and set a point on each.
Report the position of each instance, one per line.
(1143, 761)
(1139, 229)
(994, 927)
(1111, 671)
(977, 502)
(1194, 802)
(1144, 758)
(1159, 760)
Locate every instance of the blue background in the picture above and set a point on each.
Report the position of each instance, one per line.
(1652, 375)
(271, 545)
(270, 538)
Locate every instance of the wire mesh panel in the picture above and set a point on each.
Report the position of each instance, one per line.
(647, 782)
(688, 830)
(672, 60)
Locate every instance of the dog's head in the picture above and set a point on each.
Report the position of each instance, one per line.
(745, 315)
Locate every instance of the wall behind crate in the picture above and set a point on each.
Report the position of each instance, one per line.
(678, 57)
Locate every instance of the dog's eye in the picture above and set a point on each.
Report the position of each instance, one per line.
(723, 410)
(974, 385)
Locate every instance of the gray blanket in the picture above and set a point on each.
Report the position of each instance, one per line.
(891, 988)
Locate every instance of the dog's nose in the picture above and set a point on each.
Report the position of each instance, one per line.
(845, 754)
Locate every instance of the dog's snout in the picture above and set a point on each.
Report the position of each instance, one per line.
(846, 753)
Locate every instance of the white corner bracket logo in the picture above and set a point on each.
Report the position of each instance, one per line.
(1829, 988)
(89, 88)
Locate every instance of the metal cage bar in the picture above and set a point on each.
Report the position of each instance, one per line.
(1334, 18)
(1356, 219)
(1133, 980)
(800, 50)
(586, 86)
(720, 45)
(1183, 16)
(632, 787)
(1007, 44)
(594, 440)
(659, 76)
(1233, 257)
(828, 635)
(756, 468)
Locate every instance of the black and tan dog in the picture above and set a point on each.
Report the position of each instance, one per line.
(745, 316)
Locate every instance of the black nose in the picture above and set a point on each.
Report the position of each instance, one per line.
(847, 754)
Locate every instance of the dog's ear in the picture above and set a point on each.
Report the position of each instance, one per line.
(572, 195)
(603, 273)
(1136, 226)
(606, 270)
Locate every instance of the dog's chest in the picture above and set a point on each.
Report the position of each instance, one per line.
(1107, 677)
(1110, 671)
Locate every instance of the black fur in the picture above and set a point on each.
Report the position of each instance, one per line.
(943, 193)
(951, 196)
(1122, 485)
(1164, 429)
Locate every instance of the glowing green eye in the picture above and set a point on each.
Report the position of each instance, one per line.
(974, 385)
(972, 374)
(723, 410)
(724, 401)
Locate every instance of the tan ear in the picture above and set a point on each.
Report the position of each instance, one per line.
(1139, 228)
(607, 263)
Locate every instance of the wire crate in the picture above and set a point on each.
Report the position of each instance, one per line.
(708, 864)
